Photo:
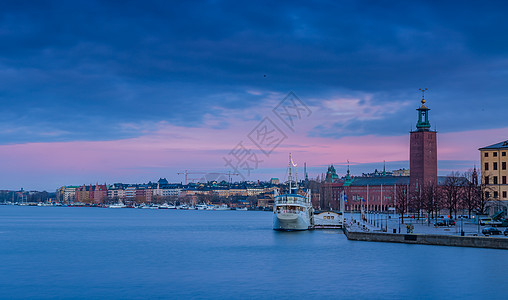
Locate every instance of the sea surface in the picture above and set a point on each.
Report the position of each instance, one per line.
(100, 253)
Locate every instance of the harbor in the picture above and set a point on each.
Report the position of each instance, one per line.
(179, 254)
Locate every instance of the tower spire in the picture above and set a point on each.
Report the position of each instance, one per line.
(423, 96)
(423, 123)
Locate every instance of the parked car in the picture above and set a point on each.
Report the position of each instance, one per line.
(491, 231)
(506, 232)
(445, 222)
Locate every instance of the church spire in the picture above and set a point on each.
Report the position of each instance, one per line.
(423, 123)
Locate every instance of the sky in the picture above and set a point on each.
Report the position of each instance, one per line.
(132, 91)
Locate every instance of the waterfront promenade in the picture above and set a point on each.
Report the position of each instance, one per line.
(388, 228)
(390, 222)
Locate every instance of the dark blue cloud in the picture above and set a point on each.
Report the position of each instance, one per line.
(78, 70)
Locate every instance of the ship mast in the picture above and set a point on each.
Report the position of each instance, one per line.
(289, 176)
(296, 177)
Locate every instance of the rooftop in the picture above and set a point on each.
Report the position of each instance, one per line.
(393, 180)
(500, 145)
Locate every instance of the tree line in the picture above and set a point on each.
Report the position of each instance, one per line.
(459, 192)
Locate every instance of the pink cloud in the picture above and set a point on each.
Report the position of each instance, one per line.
(170, 149)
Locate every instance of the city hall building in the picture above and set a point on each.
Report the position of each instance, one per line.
(378, 191)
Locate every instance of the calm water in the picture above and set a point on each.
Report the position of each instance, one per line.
(58, 252)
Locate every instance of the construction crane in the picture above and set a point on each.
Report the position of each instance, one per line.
(186, 173)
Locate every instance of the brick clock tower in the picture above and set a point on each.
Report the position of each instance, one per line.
(423, 151)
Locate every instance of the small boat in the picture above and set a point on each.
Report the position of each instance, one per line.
(164, 206)
(184, 206)
(117, 205)
(201, 207)
(222, 207)
(241, 208)
(328, 219)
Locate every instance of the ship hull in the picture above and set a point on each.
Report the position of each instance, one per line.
(291, 222)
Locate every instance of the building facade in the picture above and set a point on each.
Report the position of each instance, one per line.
(494, 172)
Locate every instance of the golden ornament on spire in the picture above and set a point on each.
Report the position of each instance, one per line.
(423, 97)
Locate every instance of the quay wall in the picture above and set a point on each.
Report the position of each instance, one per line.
(429, 239)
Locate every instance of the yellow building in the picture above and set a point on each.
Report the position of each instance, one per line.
(494, 159)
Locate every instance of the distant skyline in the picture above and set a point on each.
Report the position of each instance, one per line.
(133, 91)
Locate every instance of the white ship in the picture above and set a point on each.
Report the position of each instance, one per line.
(292, 211)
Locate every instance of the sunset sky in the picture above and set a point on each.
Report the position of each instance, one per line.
(133, 91)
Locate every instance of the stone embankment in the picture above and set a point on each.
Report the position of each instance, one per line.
(429, 239)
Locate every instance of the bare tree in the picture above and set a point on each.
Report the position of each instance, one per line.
(415, 202)
(451, 192)
(402, 192)
(483, 197)
(468, 196)
(429, 200)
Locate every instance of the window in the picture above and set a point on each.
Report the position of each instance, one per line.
(495, 179)
(503, 165)
(495, 154)
(487, 180)
(504, 194)
(495, 194)
(504, 179)
(486, 166)
(486, 154)
(487, 195)
(495, 166)
(503, 153)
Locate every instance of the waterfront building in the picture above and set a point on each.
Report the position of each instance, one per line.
(116, 193)
(130, 192)
(494, 173)
(91, 194)
(66, 194)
